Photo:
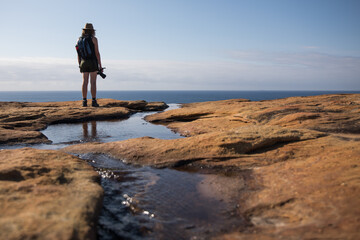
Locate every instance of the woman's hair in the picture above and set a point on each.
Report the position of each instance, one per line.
(88, 32)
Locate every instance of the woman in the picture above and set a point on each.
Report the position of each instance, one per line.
(89, 65)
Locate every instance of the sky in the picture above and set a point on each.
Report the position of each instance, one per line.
(183, 44)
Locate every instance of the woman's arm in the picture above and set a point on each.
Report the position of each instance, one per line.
(97, 53)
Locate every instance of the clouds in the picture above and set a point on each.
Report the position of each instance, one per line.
(304, 70)
(164, 75)
(302, 59)
(241, 70)
(38, 74)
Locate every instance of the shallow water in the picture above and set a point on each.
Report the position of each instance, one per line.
(144, 202)
(149, 203)
(108, 131)
(63, 135)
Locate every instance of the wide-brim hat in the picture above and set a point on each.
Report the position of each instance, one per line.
(88, 26)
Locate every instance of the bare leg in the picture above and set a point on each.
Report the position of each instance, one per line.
(85, 84)
(93, 76)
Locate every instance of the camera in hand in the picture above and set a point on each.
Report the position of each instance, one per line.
(100, 72)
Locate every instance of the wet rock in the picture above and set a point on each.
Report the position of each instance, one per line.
(8, 136)
(139, 105)
(19, 122)
(47, 195)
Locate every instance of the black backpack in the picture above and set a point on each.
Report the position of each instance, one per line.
(85, 47)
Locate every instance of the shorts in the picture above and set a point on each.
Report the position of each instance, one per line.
(88, 65)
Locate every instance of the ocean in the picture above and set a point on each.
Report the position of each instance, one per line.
(155, 96)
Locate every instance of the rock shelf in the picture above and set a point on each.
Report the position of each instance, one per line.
(298, 160)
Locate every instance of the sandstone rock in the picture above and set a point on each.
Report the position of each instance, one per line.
(298, 158)
(313, 194)
(139, 105)
(19, 121)
(209, 147)
(327, 113)
(47, 194)
(14, 136)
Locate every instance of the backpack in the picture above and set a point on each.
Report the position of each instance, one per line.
(85, 47)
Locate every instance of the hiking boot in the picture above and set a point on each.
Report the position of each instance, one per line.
(84, 103)
(94, 103)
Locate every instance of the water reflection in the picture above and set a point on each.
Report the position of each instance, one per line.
(93, 132)
(107, 131)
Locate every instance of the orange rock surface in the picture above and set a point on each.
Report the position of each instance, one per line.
(50, 194)
(299, 159)
(47, 194)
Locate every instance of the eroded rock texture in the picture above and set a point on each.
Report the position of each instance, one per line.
(47, 194)
(50, 194)
(299, 158)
